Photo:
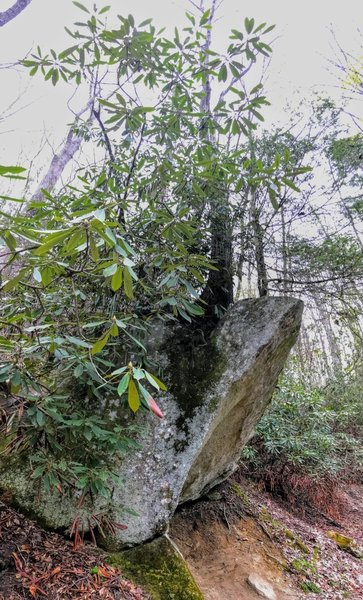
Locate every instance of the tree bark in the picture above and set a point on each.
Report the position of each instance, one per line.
(218, 291)
(58, 163)
(241, 260)
(284, 250)
(13, 11)
(258, 235)
(333, 346)
(219, 287)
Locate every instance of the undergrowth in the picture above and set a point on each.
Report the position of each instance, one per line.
(309, 442)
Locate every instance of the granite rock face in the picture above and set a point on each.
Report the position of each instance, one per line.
(219, 386)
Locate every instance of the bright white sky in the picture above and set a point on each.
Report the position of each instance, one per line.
(302, 47)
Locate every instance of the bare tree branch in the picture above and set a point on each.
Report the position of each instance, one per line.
(58, 164)
(59, 161)
(206, 100)
(13, 11)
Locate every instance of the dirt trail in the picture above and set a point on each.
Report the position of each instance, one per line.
(222, 558)
(242, 530)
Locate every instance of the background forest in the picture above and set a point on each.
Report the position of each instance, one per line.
(169, 199)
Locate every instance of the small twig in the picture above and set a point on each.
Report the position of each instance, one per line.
(225, 517)
(132, 167)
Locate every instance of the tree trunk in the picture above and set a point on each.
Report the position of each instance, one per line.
(259, 252)
(284, 251)
(333, 346)
(218, 291)
(13, 11)
(58, 163)
(353, 226)
(241, 260)
(219, 287)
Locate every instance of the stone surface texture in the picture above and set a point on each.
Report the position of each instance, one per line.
(219, 387)
(261, 586)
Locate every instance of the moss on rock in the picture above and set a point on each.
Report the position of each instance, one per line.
(346, 543)
(159, 568)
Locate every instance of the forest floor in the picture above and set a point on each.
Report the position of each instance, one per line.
(38, 564)
(238, 530)
(241, 530)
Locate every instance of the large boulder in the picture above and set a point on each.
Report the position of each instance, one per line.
(219, 386)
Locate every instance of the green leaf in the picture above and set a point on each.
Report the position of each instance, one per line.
(273, 200)
(205, 17)
(119, 371)
(105, 235)
(155, 382)
(193, 309)
(37, 275)
(100, 214)
(147, 396)
(144, 23)
(94, 324)
(12, 283)
(128, 284)
(12, 170)
(269, 29)
(53, 241)
(101, 343)
(104, 9)
(116, 281)
(223, 73)
(237, 34)
(127, 247)
(78, 342)
(111, 270)
(114, 330)
(55, 76)
(287, 155)
(138, 373)
(184, 314)
(135, 340)
(133, 396)
(129, 263)
(47, 275)
(79, 5)
(76, 239)
(249, 24)
(40, 419)
(9, 240)
(16, 378)
(235, 127)
(38, 472)
(123, 385)
(67, 52)
(290, 184)
(5, 343)
(78, 371)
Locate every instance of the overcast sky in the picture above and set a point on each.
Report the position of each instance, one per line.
(302, 47)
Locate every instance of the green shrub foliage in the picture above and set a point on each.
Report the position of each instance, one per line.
(309, 437)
